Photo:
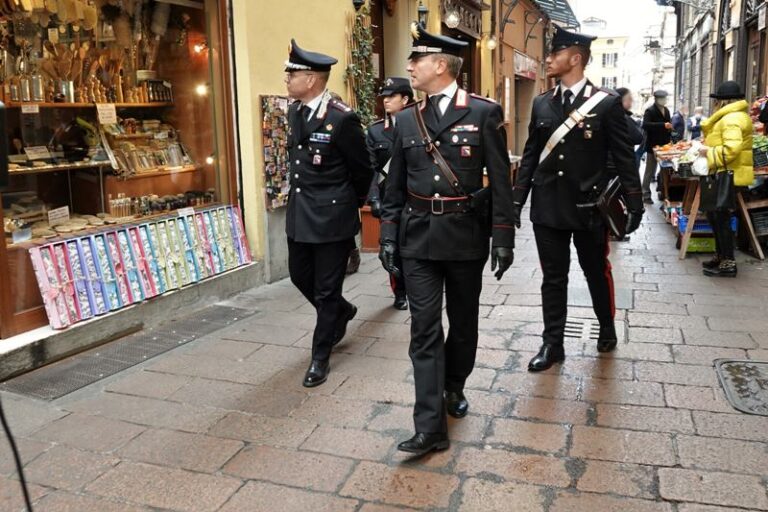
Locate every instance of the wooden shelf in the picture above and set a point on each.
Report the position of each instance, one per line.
(760, 203)
(89, 105)
(57, 168)
(163, 171)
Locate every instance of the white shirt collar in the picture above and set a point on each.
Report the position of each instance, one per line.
(575, 88)
(314, 104)
(449, 92)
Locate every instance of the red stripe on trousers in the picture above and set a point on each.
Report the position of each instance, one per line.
(609, 273)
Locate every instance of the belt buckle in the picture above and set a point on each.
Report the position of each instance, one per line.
(440, 202)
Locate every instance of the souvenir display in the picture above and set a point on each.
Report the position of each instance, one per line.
(178, 252)
(45, 273)
(197, 246)
(275, 139)
(187, 243)
(205, 243)
(224, 238)
(172, 258)
(210, 233)
(238, 232)
(108, 272)
(113, 250)
(147, 282)
(94, 279)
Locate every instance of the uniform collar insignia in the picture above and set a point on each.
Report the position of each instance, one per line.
(323, 108)
(462, 98)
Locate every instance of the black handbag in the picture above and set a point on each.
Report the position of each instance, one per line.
(718, 192)
(611, 206)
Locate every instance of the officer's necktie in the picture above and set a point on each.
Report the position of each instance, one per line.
(435, 101)
(568, 101)
(306, 112)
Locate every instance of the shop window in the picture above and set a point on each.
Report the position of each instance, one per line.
(108, 131)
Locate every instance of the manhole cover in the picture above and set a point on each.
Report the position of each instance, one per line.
(745, 384)
(61, 378)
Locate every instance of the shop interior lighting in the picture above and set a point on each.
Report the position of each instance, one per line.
(200, 47)
(452, 18)
(492, 42)
(202, 90)
(423, 11)
(210, 160)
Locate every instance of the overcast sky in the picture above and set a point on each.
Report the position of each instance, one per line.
(624, 17)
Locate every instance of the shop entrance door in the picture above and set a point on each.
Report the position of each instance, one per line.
(470, 70)
(524, 93)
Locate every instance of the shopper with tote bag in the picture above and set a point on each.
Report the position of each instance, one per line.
(728, 148)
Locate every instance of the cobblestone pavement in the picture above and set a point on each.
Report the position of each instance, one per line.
(223, 424)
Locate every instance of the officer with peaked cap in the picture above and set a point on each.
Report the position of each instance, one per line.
(396, 94)
(330, 172)
(564, 169)
(439, 219)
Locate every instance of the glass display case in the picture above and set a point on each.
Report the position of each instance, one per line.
(117, 119)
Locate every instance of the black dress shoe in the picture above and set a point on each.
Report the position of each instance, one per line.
(607, 340)
(317, 373)
(421, 444)
(401, 302)
(456, 404)
(548, 355)
(341, 327)
(726, 268)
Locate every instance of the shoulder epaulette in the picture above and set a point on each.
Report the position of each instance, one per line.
(483, 98)
(339, 105)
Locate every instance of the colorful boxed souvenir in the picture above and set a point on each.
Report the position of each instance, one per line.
(96, 284)
(108, 273)
(203, 237)
(113, 249)
(150, 256)
(47, 280)
(197, 246)
(66, 280)
(239, 233)
(130, 264)
(142, 263)
(85, 296)
(178, 251)
(210, 231)
(173, 273)
(187, 242)
(227, 249)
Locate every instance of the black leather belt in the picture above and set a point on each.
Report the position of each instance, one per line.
(439, 205)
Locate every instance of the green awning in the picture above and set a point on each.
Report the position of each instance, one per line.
(559, 11)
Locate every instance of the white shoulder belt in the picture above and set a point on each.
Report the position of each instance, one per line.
(574, 118)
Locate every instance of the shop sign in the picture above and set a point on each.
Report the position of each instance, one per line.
(761, 17)
(32, 108)
(470, 15)
(525, 66)
(58, 216)
(37, 153)
(107, 113)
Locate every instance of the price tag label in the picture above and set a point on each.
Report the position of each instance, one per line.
(37, 153)
(58, 216)
(185, 212)
(53, 35)
(30, 109)
(107, 113)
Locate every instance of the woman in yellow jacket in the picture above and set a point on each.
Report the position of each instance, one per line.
(728, 145)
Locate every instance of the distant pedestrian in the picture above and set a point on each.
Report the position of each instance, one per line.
(678, 123)
(658, 129)
(330, 172)
(728, 146)
(694, 123)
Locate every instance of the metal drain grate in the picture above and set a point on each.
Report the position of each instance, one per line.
(745, 384)
(59, 379)
(582, 328)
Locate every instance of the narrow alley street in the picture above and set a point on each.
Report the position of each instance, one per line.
(223, 423)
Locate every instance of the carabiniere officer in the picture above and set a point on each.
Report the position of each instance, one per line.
(330, 172)
(565, 186)
(441, 227)
(396, 94)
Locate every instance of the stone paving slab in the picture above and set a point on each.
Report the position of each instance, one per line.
(223, 423)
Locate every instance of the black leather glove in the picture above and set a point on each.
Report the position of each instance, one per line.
(633, 220)
(517, 211)
(375, 208)
(387, 253)
(501, 257)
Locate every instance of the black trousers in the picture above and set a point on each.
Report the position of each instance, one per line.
(554, 246)
(720, 220)
(318, 270)
(441, 363)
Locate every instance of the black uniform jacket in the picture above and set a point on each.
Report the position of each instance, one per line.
(575, 172)
(471, 137)
(653, 124)
(379, 140)
(330, 172)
